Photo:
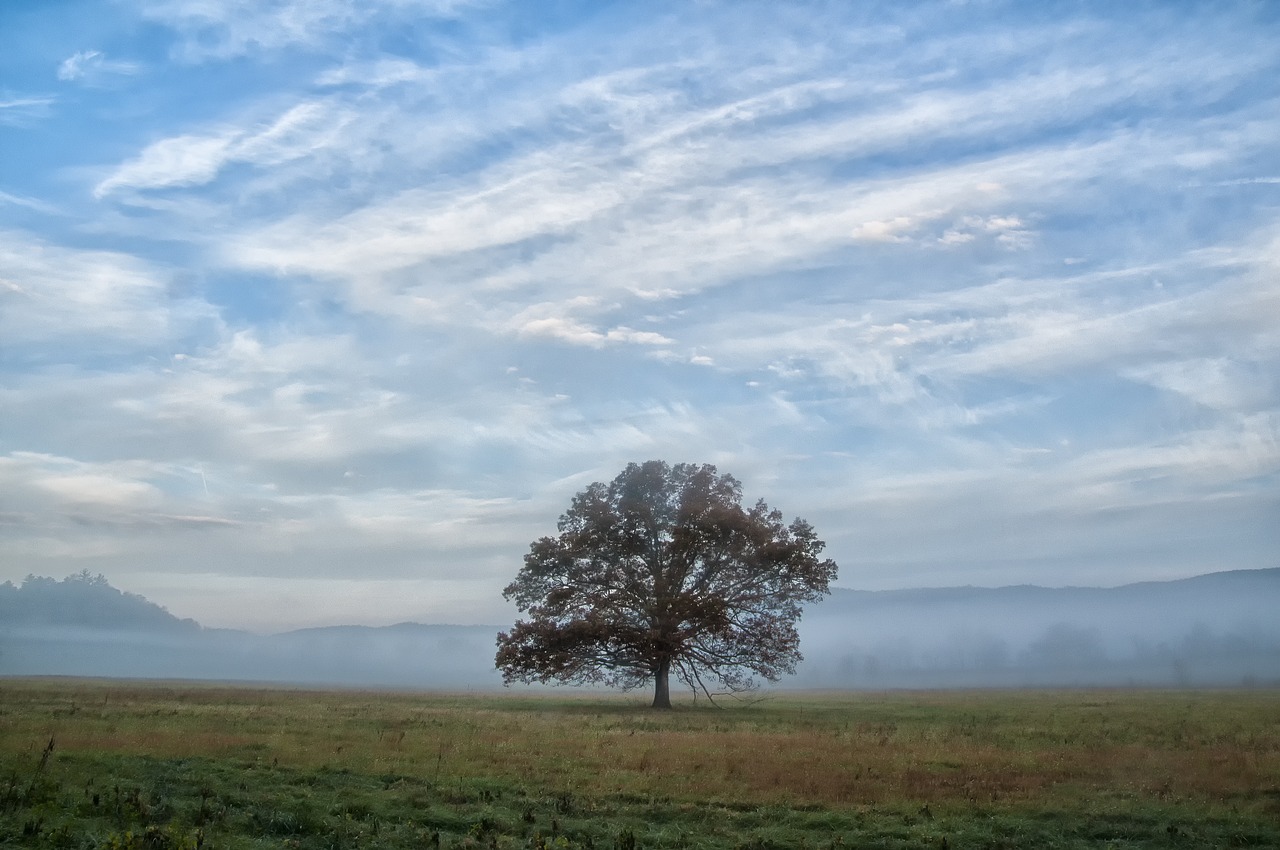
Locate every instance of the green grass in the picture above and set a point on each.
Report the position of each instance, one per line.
(169, 766)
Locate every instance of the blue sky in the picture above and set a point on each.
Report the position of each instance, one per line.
(320, 312)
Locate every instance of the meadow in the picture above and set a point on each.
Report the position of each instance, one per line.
(88, 764)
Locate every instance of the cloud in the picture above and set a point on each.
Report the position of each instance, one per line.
(956, 237)
(883, 231)
(562, 329)
(1250, 181)
(533, 322)
(633, 232)
(659, 140)
(82, 506)
(224, 29)
(120, 513)
(54, 295)
(178, 161)
(383, 294)
(194, 160)
(61, 489)
(19, 111)
(92, 67)
(1008, 230)
(1216, 382)
(33, 204)
(379, 73)
(92, 489)
(521, 201)
(625, 334)
(1080, 332)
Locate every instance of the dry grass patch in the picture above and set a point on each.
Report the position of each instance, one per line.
(1139, 769)
(833, 750)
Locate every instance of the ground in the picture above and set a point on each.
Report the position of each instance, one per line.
(163, 765)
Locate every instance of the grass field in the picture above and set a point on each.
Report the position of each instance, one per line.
(198, 766)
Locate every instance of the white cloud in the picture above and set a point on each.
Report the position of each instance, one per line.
(616, 217)
(53, 293)
(300, 131)
(532, 199)
(323, 273)
(177, 161)
(29, 203)
(386, 71)
(92, 66)
(1215, 382)
(576, 333)
(95, 491)
(1198, 463)
(23, 111)
(884, 231)
(1060, 333)
(955, 237)
(1008, 230)
(223, 29)
(194, 160)
(625, 334)
(80, 489)
(273, 604)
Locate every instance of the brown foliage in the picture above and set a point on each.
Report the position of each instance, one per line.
(661, 569)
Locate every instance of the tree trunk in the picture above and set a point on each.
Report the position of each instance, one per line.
(661, 688)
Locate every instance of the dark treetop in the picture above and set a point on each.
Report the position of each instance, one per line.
(663, 569)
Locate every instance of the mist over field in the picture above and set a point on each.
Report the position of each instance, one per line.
(1217, 629)
(1213, 630)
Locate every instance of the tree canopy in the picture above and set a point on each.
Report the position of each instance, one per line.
(661, 570)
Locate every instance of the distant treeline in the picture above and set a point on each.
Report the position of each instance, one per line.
(83, 600)
(82, 626)
(1218, 629)
(1063, 655)
(1215, 629)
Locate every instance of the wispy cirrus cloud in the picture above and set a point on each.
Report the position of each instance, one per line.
(524, 200)
(50, 293)
(34, 204)
(24, 111)
(225, 29)
(977, 287)
(92, 67)
(194, 160)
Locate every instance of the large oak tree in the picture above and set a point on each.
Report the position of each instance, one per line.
(661, 570)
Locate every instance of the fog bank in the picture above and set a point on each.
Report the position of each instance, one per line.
(1214, 630)
(1219, 629)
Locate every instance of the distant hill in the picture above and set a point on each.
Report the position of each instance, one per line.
(1218, 628)
(82, 626)
(84, 601)
(1215, 629)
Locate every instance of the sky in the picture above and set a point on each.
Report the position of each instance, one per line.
(318, 312)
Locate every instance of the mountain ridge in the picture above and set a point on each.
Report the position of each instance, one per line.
(72, 589)
(1211, 629)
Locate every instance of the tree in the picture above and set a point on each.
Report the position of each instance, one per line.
(663, 569)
